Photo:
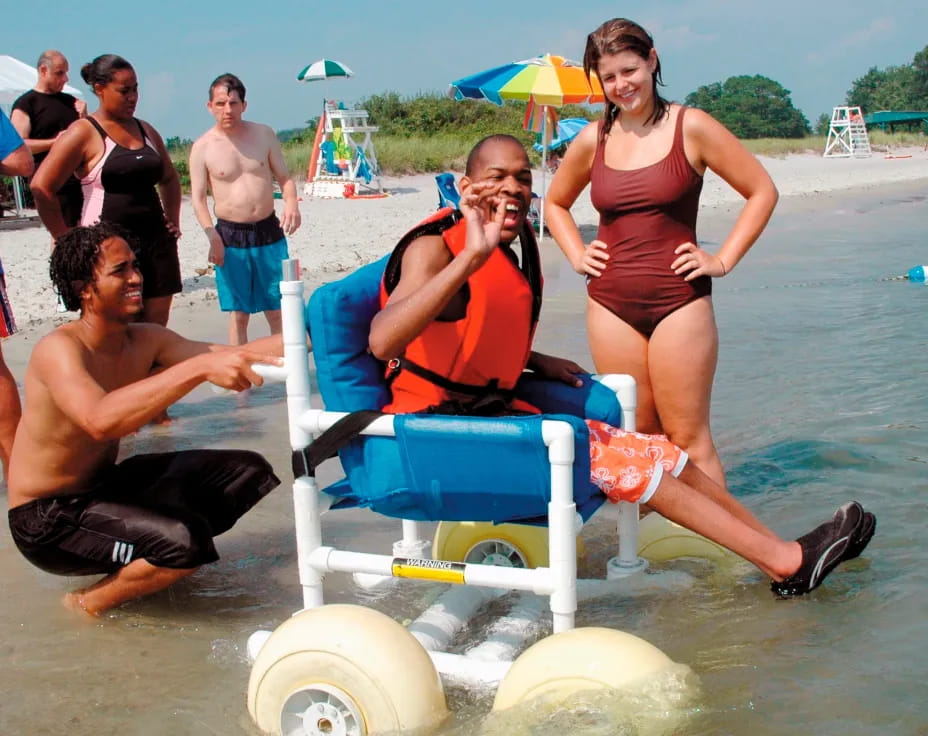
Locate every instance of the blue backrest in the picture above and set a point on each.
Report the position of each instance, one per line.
(339, 317)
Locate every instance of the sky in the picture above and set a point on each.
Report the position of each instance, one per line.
(814, 49)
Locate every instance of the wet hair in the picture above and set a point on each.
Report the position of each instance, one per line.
(48, 58)
(75, 257)
(613, 37)
(231, 83)
(101, 70)
(475, 152)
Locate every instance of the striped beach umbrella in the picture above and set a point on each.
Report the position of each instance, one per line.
(323, 69)
(546, 80)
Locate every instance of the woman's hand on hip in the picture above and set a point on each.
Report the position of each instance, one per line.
(593, 260)
(695, 262)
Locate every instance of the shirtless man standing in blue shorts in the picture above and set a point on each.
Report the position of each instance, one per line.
(237, 160)
(148, 520)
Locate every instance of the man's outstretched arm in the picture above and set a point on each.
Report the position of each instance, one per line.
(104, 415)
(175, 349)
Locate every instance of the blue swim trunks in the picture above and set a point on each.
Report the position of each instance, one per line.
(249, 279)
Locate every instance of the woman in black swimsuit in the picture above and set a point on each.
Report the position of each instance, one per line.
(127, 178)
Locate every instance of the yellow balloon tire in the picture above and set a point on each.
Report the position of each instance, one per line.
(579, 660)
(335, 667)
(660, 540)
(511, 545)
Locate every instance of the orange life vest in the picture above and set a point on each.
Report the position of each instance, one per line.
(481, 355)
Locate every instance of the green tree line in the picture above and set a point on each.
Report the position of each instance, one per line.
(903, 87)
(432, 132)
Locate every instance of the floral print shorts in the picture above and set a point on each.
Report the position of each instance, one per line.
(628, 466)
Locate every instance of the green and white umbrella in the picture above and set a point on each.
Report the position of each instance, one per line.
(324, 69)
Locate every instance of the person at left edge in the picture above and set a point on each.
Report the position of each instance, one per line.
(14, 161)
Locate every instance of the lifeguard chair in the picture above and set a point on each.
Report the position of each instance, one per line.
(847, 134)
(343, 154)
(349, 669)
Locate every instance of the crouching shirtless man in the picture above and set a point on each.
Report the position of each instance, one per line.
(149, 520)
(459, 309)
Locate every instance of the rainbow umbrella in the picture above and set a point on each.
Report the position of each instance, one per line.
(546, 80)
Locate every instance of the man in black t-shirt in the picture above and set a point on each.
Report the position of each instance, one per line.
(42, 114)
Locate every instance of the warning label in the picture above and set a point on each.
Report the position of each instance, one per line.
(439, 570)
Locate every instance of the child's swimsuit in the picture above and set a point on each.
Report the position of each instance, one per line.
(644, 215)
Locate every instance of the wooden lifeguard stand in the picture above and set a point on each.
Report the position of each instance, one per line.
(329, 176)
(847, 134)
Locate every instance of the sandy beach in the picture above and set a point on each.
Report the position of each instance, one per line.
(339, 234)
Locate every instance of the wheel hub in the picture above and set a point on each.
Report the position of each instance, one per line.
(321, 710)
(495, 552)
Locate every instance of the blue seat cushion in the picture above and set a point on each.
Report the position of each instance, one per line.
(462, 469)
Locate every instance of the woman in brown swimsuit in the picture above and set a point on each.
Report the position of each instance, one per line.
(649, 311)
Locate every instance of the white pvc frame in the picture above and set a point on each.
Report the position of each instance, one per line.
(558, 581)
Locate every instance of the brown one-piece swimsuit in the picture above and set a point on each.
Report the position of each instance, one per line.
(644, 215)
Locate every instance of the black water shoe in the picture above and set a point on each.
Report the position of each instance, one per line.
(861, 537)
(823, 549)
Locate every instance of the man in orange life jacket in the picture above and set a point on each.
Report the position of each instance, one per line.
(456, 325)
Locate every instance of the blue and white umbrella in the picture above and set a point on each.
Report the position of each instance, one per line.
(567, 130)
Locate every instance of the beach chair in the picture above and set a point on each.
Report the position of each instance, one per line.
(333, 668)
(363, 169)
(328, 156)
(448, 195)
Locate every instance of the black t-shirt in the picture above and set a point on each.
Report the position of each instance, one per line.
(49, 114)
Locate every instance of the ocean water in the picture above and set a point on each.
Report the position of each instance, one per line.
(821, 396)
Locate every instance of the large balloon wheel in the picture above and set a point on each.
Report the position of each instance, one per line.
(509, 545)
(333, 670)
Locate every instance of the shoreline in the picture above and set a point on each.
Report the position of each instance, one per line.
(339, 235)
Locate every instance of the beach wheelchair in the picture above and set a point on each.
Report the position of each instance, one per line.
(493, 484)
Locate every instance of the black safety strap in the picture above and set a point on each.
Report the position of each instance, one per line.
(397, 365)
(326, 445)
(492, 405)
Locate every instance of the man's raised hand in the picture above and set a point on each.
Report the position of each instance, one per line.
(483, 209)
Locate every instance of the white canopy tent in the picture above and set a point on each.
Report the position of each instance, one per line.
(17, 77)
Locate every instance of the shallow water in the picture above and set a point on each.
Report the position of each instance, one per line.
(820, 397)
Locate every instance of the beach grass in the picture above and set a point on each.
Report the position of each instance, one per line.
(879, 141)
(401, 154)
